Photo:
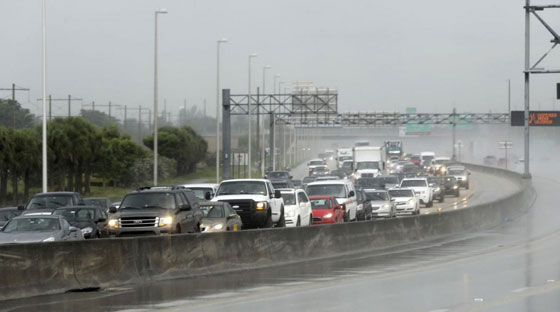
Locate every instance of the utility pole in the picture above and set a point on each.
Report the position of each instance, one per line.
(509, 96)
(14, 89)
(454, 125)
(68, 99)
(50, 107)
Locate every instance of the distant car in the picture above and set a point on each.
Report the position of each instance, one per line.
(405, 201)
(370, 183)
(421, 188)
(338, 173)
(451, 186)
(282, 184)
(297, 208)
(91, 220)
(102, 202)
(278, 175)
(438, 165)
(46, 203)
(8, 213)
(297, 183)
(381, 203)
(203, 191)
(326, 210)
(436, 183)
(347, 166)
(412, 170)
(415, 159)
(38, 228)
(219, 217)
(491, 160)
(316, 163)
(461, 174)
(319, 171)
(364, 209)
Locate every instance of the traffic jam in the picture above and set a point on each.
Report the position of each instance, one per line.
(369, 182)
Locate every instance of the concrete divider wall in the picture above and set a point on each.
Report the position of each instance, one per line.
(34, 269)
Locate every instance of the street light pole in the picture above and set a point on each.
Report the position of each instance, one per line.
(44, 125)
(509, 96)
(223, 40)
(251, 56)
(263, 136)
(156, 96)
(274, 86)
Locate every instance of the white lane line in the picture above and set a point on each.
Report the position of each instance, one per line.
(439, 310)
(522, 289)
(478, 299)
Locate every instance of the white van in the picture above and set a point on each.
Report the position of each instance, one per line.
(344, 192)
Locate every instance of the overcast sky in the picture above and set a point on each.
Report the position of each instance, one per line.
(380, 55)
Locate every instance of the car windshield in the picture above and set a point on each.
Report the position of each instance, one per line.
(289, 198)
(347, 164)
(321, 204)
(242, 187)
(336, 190)
(343, 158)
(413, 183)
(276, 175)
(215, 212)
(148, 200)
(427, 157)
(49, 202)
(7, 214)
(401, 193)
(316, 163)
(450, 179)
(367, 165)
(296, 182)
(200, 192)
(411, 168)
(434, 180)
(96, 202)
(77, 215)
(377, 196)
(279, 185)
(32, 225)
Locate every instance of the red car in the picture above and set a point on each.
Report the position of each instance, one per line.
(325, 210)
(415, 159)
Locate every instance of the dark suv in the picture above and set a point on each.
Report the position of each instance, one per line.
(156, 210)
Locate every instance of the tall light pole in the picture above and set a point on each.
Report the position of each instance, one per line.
(275, 77)
(223, 40)
(509, 96)
(251, 56)
(263, 136)
(162, 11)
(44, 126)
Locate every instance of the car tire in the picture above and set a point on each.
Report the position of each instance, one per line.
(457, 193)
(298, 223)
(467, 186)
(310, 220)
(282, 221)
(268, 221)
(178, 229)
(430, 204)
(441, 199)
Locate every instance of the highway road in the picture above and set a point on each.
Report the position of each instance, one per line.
(484, 271)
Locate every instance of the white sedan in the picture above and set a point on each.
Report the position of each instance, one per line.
(405, 201)
(297, 208)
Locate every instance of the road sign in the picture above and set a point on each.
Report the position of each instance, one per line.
(506, 144)
(536, 118)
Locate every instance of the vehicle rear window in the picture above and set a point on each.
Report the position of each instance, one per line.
(289, 198)
(49, 202)
(321, 204)
(413, 183)
(401, 193)
(32, 225)
(200, 192)
(336, 190)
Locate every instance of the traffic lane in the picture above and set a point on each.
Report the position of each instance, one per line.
(483, 188)
(301, 171)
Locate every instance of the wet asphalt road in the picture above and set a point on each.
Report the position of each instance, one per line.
(514, 268)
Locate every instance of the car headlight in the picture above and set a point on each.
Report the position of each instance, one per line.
(359, 207)
(437, 189)
(164, 221)
(261, 206)
(50, 239)
(455, 187)
(113, 223)
(411, 201)
(218, 226)
(290, 213)
(464, 177)
(328, 215)
(386, 206)
(87, 230)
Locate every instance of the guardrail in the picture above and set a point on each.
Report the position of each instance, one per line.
(48, 268)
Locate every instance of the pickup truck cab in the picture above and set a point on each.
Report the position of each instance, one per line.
(421, 188)
(255, 200)
(344, 192)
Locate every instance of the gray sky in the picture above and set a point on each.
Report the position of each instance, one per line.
(381, 56)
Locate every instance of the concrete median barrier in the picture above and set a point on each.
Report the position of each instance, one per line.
(47, 268)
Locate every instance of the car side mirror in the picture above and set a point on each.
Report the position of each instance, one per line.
(185, 207)
(351, 194)
(74, 229)
(265, 176)
(291, 177)
(231, 216)
(277, 194)
(208, 196)
(20, 207)
(101, 220)
(112, 209)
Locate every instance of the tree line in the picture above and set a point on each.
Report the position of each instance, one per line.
(79, 152)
